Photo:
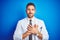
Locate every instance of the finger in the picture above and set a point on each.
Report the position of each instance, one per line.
(29, 25)
(36, 26)
(29, 28)
(28, 31)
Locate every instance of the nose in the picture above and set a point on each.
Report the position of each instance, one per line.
(30, 11)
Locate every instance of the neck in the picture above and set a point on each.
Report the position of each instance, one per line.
(30, 17)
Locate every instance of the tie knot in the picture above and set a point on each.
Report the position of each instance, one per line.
(30, 20)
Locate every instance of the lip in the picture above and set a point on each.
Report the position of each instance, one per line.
(30, 13)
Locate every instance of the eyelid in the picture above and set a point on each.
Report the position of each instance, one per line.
(28, 9)
(32, 9)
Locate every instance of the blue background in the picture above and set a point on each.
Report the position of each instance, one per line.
(14, 10)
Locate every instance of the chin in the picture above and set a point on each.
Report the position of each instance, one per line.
(30, 16)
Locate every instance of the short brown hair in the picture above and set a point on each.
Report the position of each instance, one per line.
(30, 4)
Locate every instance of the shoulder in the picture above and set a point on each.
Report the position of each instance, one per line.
(39, 20)
(22, 20)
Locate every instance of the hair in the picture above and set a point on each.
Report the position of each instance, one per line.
(30, 4)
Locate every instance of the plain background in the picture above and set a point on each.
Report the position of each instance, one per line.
(14, 10)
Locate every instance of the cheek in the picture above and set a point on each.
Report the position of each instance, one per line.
(27, 12)
(33, 12)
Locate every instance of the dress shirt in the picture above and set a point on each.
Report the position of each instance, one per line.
(22, 28)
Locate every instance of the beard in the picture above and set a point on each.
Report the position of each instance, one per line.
(30, 15)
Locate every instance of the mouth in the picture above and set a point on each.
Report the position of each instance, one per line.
(30, 13)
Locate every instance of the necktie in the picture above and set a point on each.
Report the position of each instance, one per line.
(30, 36)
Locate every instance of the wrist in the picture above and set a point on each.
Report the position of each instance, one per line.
(28, 33)
(37, 34)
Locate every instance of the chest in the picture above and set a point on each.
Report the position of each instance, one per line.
(26, 23)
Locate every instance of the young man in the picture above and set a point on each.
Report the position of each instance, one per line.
(30, 28)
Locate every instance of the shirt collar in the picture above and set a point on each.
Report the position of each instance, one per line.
(31, 19)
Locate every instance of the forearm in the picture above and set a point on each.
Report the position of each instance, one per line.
(39, 35)
(25, 35)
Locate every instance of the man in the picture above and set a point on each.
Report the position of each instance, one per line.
(30, 28)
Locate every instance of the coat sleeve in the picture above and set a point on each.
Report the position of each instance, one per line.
(44, 32)
(18, 32)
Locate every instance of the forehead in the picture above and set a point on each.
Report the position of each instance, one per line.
(30, 6)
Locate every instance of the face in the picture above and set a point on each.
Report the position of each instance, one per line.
(30, 11)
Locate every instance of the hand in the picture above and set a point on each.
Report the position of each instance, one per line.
(27, 33)
(29, 28)
(33, 29)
